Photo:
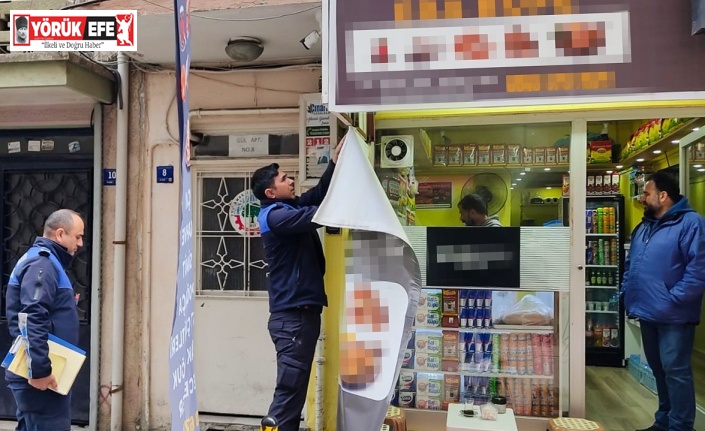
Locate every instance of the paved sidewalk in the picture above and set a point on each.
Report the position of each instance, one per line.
(10, 426)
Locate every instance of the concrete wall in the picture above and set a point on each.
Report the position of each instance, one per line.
(153, 219)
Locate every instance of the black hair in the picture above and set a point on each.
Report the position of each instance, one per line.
(473, 202)
(262, 179)
(665, 182)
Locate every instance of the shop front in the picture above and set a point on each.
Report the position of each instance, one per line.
(552, 114)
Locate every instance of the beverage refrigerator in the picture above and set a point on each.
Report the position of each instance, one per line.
(604, 259)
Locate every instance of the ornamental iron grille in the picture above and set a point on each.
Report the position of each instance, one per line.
(231, 255)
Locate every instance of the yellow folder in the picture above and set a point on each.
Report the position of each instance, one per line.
(66, 361)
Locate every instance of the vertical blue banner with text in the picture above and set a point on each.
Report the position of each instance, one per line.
(182, 389)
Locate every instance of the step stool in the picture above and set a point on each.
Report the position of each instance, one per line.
(573, 424)
(396, 420)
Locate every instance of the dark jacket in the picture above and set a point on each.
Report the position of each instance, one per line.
(38, 288)
(292, 248)
(664, 275)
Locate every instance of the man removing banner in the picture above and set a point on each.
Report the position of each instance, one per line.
(294, 254)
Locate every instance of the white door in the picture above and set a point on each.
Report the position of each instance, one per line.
(235, 358)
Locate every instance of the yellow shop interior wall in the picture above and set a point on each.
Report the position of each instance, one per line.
(451, 216)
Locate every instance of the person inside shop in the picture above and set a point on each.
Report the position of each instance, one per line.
(663, 286)
(297, 296)
(473, 212)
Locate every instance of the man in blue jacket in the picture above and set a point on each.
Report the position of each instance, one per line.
(663, 286)
(297, 296)
(40, 289)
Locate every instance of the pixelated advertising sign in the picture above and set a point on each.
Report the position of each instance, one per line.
(71, 30)
(410, 54)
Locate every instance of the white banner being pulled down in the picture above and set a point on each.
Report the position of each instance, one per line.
(382, 285)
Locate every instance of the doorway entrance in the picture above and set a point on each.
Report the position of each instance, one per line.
(59, 175)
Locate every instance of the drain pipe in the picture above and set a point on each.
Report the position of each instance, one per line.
(119, 245)
(96, 269)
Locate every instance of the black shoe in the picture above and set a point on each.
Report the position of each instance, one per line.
(652, 428)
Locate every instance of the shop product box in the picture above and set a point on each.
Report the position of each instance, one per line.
(591, 185)
(440, 155)
(429, 403)
(527, 156)
(615, 183)
(450, 321)
(540, 156)
(407, 399)
(429, 343)
(427, 362)
(598, 185)
(450, 365)
(563, 156)
(428, 319)
(607, 184)
(451, 345)
(408, 359)
(430, 385)
(499, 154)
(469, 155)
(455, 155)
(430, 300)
(451, 390)
(484, 155)
(450, 301)
(514, 154)
(412, 340)
(407, 380)
(566, 185)
(551, 155)
(600, 151)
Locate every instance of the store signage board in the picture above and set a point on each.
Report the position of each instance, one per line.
(388, 55)
(317, 129)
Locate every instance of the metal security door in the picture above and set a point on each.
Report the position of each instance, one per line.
(30, 193)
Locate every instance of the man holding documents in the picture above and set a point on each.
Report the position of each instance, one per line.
(40, 293)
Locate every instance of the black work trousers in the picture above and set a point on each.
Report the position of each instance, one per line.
(294, 333)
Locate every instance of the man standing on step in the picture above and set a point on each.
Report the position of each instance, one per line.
(663, 286)
(296, 263)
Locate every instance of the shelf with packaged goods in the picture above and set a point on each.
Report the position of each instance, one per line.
(463, 170)
(602, 235)
(665, 142)
(601, 312)
(496, 329)
(481, 374)
(510, 289)
(602, 266)
(602, 287)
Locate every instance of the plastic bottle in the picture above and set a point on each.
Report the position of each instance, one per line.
(597, 333)
(604, 278)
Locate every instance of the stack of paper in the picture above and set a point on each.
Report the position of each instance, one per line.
(66, 361)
